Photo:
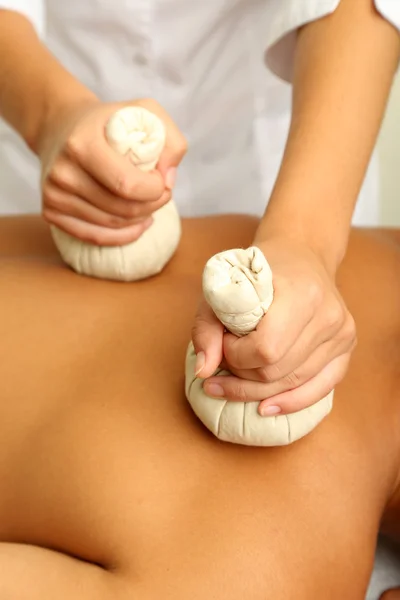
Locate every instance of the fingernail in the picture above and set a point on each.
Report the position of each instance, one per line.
(215, 390)
(269, 411)
(200, 362)
(170, 178)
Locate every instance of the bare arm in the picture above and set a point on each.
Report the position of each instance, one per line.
(33, 84)
(343, 69)
(87, 189)
(344, 66)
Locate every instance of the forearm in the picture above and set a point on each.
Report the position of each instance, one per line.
(33, 85)
(343, 70)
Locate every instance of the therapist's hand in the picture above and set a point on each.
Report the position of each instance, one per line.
(92, 192)
(301, 348)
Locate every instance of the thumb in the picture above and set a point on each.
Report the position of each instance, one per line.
(174, 150)
(207, 336)
(170, 158)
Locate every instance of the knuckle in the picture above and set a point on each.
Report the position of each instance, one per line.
(239, 392)
(334, 315)
(75, 146)
(131, 211)
(199, 329)
(164, 199)
(315, 293)
(196, 338)
(93, 237)
(293, 380)
(121, 185)
(268, 353)
(57, 173)
(349, 329)
(268, 374)
(49, 196)
(47, 215)
(115, 222)
(202, 327)
(264, 375)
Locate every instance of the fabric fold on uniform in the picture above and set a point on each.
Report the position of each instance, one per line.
(284, 17)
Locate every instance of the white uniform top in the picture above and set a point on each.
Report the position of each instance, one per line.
(204, 62)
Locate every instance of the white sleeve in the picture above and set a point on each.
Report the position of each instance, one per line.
(34, 10)
(284, 17)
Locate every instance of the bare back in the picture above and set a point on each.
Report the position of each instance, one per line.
(102, 459)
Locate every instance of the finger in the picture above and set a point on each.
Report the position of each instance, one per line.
(167, 166)
(236, 389)
(274, 335)
(207, 336)
(317, 345)
(294, 369)
(95, 234)
(72, 178)
(175, 145)
(113, 171)
(282, 342)
(251, 385)
(311, 392)
(55, 198)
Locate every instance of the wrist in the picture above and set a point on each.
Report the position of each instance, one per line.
(328, 241)
(62, 99)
